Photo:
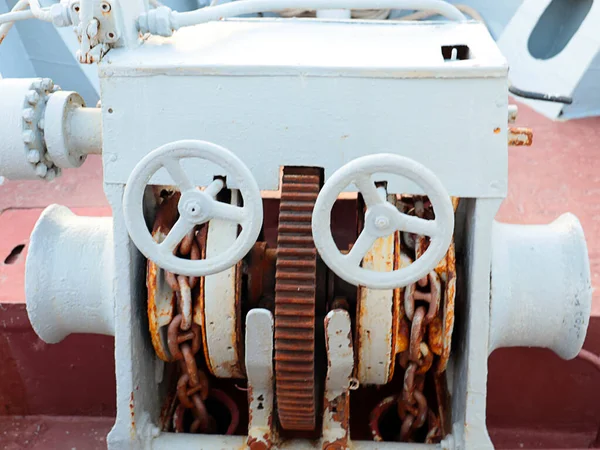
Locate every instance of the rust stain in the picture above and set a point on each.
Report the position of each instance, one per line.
(435, 336)
(132, 412)
(255, 444)
(154, 314)
(339, 408)
(166, 217)
(520, 136)
(397, 307)
(238, 369)
(403, 336)
(448, 309)
(455, 201)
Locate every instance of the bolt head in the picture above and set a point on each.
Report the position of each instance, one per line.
(41, 169)
(28, 114)
(28, 136)
(47, 84)
(33, 156)
(32, 97)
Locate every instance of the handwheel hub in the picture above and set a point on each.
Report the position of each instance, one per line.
(380, 220)
(195, 206)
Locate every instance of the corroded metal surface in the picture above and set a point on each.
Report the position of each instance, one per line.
(447, 272)
(161, 297)
(295, 301)
(340, 365)
(376, 313)
(424, 320)
(520, 136)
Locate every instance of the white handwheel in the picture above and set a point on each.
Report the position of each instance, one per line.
(382, 219)
(195, 206)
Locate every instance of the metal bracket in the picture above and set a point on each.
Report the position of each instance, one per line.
(95, 23)
(259, 369)
(340, 365)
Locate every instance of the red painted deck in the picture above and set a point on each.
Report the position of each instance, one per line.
(63, 395)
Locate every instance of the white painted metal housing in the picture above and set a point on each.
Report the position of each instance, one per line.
(296, 92)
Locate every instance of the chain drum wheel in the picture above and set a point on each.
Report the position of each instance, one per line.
(295, 300)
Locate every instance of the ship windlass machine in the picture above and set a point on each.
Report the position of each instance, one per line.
(302, 251)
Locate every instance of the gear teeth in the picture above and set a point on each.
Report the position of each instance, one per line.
(295, 301)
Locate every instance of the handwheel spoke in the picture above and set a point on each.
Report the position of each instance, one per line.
(360, 248)
(228, 212)
(177, 233)
(180, 178)
(368, 190)
(215, 187)
(416, 225)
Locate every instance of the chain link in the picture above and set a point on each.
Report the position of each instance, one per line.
(421, 306)
(183, 335)
(184, 342)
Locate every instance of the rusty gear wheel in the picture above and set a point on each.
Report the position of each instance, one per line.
(295, 300)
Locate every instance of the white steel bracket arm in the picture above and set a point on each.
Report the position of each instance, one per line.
(382, 219)
(163, 21)
(195, 206)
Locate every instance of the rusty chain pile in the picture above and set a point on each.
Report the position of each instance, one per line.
(422, 321)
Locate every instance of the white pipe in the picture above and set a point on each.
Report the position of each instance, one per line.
(234, 9)
(86, 130)
(38, 12)
(5, 28)
(20, 12)
(15, 16)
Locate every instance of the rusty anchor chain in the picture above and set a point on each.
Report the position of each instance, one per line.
(184, 342)
(413, 409)
(425, 340)
(426, 320)
(184, 338)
